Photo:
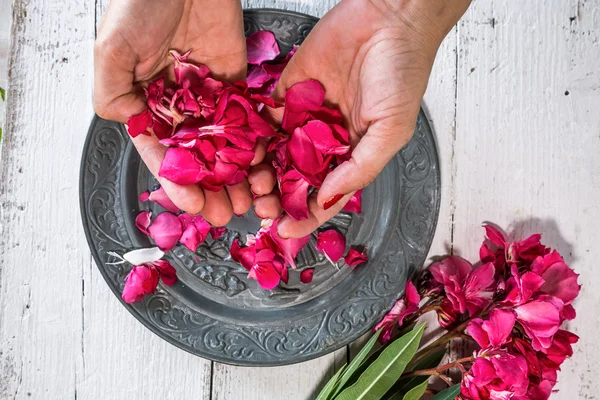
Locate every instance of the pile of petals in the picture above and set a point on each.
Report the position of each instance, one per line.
(148, 268)
(210, 129)
(513, 305)
(266, 256)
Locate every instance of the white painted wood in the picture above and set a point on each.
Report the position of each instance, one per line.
(5, 24)
(526, 152)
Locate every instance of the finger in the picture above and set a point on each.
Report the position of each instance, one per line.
(262, 179)
(188, 198)
(290, 228)
(260, 150)
(369, 157)
(115, 95)
(240, 197)
(268, 206)
(217, 208)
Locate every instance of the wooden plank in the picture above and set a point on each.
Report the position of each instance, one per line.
(527, 140)
(43, 249)
(5, 24)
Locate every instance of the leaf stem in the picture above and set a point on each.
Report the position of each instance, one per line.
(437, 371)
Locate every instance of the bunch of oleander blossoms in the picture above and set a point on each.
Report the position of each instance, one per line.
(512, 305)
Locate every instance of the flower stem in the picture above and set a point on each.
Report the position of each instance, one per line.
(437, 371)
(439, 343)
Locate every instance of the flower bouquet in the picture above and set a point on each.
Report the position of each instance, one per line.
(511, 305)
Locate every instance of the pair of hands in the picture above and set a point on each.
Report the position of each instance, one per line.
(373, 57)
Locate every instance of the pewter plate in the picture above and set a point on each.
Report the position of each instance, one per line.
(214, 311)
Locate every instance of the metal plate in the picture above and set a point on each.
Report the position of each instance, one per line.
(214, 311)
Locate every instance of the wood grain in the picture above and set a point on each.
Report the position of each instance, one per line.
(527, 141)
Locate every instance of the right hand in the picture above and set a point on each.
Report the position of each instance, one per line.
(132, 48)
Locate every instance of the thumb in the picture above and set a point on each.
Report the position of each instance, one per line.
(369, 157)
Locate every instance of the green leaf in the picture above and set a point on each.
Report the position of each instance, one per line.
(357, 362)
(2, 94)
(417, 392)
(379, 377)
(326, 392)
(448, 394)
(0, 134)
(404, 385)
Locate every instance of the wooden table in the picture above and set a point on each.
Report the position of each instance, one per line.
(514, 99)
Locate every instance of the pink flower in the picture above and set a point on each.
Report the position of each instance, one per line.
(331, 243)
(447, 315)
(402, 309)
(519, 253)
(561, 348)
(355, 257)
(469, 290)
(521, 288)
(559, 280)
(541, 320)
(501, 375)
(493, 332)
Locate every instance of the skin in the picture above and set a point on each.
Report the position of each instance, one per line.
(374, 58)
(132, 48)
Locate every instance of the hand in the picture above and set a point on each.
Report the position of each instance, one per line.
(374, 58)
(132, 48)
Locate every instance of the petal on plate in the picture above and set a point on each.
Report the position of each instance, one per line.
(165, 231)
(306, 276)
(167, 273)
(243, 255)
(289, 248)
(332, 244)
(190, 238)
(142, 222)
(261, 46)
(217, 231)
(355, 257)
(140, 282)
(355, 203)
(143, 256)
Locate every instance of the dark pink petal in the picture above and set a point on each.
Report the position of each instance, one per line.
(323, 138)
(355, 257)
(483, 371)
(561, 281)
(561, 346)
(306, 276)
(160, 197)
(182, 166)
(187, 74)
(261, 46)
(568, 313)
(303, 153)
(330, 116)
(495, 235)
(494, 332)
(139, 124)
(289, 248)
(355, 203)
(512, 370)
(257, 76)
(541, 320)
(293, 194)
(142, 221)
(263, 270)
(479, 288)
(241, 158)
(165, 231)
(332, 244)
(389, 321)
(161, 128)
(144, 196)
(451, 269)
(299, 100)
(190, 238)
(140, 282)
(167, 273)
(269, 101)
(243, 255)
(217, 232)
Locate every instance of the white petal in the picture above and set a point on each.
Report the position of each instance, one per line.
(143, 256)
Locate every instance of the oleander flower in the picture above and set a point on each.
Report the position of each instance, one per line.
(403, 308)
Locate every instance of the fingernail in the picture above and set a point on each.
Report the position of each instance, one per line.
(331, 202)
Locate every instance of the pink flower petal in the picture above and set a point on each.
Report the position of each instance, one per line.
(190, 238)
(188, 74)
(140, 282)
(139, 124)
(355, 257)
(144, 196)
(165, 231)
(160, 197)
(303, 153)
(323, 139)
(142, 221)
(561, 281)
(299, 100)
(167, 273)
(261, 46)
(243, 255)
(182, 166)
(331, 243)
(541, 320)
(495, 235)
(257, 76)
(263, 270)
(306, 276)
(294, 194)
(355, 203)
(494, 332)
(217, 232)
